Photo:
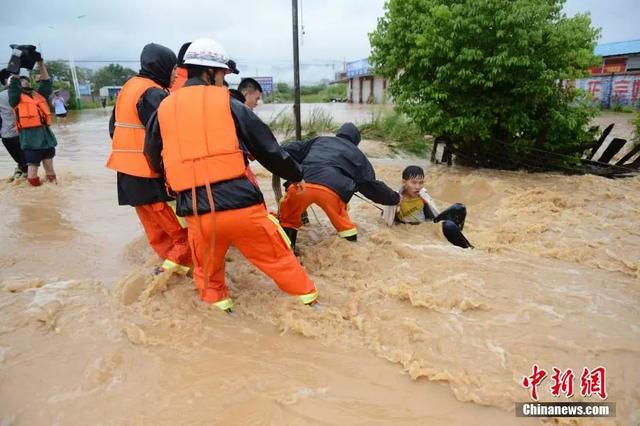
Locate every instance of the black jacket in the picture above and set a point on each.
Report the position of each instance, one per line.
(337, 163)
(236, 94)
(156, 64)
(239, 193)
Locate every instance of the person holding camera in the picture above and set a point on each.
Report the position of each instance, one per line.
(8, 130)
(60, 108)
(33, 118)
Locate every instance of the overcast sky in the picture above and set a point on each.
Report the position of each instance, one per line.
(257, 33)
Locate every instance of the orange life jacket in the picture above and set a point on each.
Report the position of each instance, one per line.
(127, 147)
(200, 145)
(32, 111)
(181, 78)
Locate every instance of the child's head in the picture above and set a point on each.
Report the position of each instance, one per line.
(412, 180)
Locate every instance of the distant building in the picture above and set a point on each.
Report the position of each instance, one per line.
(364, 87)
(616, 81)
(85, 91)
(266, 83)
(110, 92)
(618, 58)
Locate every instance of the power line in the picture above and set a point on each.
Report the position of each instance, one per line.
(275, 63)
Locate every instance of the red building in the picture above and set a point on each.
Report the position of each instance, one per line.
(617, 58)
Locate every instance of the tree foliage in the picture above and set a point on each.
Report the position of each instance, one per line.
(60, 73)
(488, 74)
(112, 75)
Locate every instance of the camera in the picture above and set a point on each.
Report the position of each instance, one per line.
(23, 56)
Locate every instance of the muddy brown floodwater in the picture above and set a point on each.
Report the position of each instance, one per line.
(411, 330)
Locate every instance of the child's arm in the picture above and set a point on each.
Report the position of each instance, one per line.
(389, 214)
(431, 205)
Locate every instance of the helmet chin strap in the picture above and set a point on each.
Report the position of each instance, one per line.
(217, 78)
(211, 77)
(207, 76)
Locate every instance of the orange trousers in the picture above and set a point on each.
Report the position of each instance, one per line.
(165, 234)
(295, 202)
(257, 237)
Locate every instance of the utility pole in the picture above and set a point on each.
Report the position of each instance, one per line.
(296, 71)
(275, 180)
(74, 78)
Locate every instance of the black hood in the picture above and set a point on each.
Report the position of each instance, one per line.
(349, 131)
(182, 51)
(157, 62)
(236, 94)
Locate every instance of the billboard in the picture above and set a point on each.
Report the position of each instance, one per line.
(266, 83)
(358, 68)
(84, 89)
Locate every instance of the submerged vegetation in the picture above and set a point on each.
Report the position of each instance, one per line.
(394, 129)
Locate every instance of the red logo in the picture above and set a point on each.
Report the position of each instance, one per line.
(594, 382)
(591, 382)
(562, 383)
(534, 380)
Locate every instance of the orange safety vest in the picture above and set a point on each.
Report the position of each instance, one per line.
(200, 145)
(181, 78)
(32, 111)
(127, 147)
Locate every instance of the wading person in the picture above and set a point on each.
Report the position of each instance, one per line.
(334, 169)
(60, 108)
(195, 136)
(417, 206)
(138, 185)
(179, 75)
(8, 130)
(33, 118)
(249, 92)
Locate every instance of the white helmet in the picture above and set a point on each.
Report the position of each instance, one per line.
(206, 52)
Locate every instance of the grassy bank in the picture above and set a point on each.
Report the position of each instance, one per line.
(398, 132)
(319, 122)
(309, 94)
(392, 128)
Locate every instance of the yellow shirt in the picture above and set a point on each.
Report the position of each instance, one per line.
(411, 210)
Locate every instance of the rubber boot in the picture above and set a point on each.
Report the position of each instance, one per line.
(34, 181)
(14, 62)
(225, 305)
(304, 217)
(292, 233)
(452, 233)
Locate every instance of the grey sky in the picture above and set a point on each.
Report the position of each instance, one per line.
(257, 33)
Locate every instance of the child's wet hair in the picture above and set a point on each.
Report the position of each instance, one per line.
(412, 172)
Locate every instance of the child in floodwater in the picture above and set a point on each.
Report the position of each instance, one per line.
(416, 206)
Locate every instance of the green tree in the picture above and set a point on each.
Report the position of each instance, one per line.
(59, 70)
(60, 73)
(112, 75)
(283, 88)
(488, 75)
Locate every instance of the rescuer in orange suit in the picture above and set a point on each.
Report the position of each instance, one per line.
(138, 185)
(195, 138)
(180, 74)
(334, 169)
